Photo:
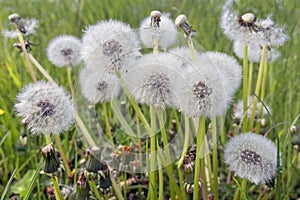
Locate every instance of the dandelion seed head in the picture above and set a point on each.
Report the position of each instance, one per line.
(109, 45)
(166, 33)
(238, 109)
(14, 16)
(45, 107)
(64, 50)
(155, 13)
(98, 86)
(151, 80)
(252, 156)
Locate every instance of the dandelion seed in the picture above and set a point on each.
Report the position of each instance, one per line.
(109, 45)
(45, 107)
(151, 80)
(98, 86)
(166, 32)
(26, 26)
(64, 50)
(252, 156)
(238, 109)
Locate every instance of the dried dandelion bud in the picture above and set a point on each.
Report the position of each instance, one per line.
(181, 22)
(52, 165)
(293, 129)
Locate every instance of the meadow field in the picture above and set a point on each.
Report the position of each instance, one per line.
(20, 150)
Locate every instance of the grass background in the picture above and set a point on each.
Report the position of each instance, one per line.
(71, 17)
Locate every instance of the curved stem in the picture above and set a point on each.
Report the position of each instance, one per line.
(186, 140)
(200, 142)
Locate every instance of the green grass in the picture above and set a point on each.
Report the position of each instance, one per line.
(71, 17)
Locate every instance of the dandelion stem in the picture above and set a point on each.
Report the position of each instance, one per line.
(153, 151)
(48, 138)
(84, 131)
(258, 86)
(57, 192)
(116, 189)
(41, 69)
(250, 78)
(262, 95)
(70, 82)
(160, 177)
(192, 49)
(200, 141)
(107, 124)
(243, 188)
(186, 140)
(24, 50)
(245, 87)
(62, 154)
(215, 158)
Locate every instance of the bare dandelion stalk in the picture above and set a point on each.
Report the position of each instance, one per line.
(16, 20)
(70, 82)
(107, 124)
(258, 85)
(215, 159)
(250, 75)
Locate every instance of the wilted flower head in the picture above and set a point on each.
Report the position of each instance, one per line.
(166, 32)
(238, 109)
(45, 107)
(98, 86)
(109, 44)
(181, 22)
(252, 156)
(152, 79)
(64, 50)
(28, 27)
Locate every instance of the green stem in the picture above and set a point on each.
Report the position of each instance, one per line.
(57, 192)
(192, 49)
(200, 142)
(243, 190)
(245, 87)
(160, 178)
(62, 154)
(70, 82)
(215, 159)
(186, 140)
(107, 124)
(262, 95)
(153, 152)
(258, 86)
(48, 138)
(84, 131)
(250, 78)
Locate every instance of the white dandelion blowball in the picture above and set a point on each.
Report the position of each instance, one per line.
(98, 86)
(109, 45)
(206, 94)
(252, 156)
(166, 32)
(45, 107)
(153, 78)
(64, 50)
